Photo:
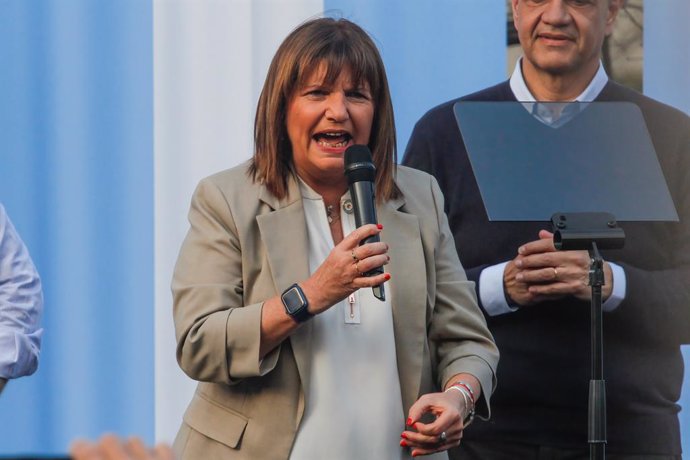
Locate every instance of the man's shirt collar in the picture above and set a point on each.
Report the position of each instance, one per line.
(523, 94)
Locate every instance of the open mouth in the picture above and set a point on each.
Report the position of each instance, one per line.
(332, 139)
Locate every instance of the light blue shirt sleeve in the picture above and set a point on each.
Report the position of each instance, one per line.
(494, 300)
(619, 285)
(491, 290)
(21, 305)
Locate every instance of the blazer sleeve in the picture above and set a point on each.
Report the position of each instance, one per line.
(218, 337)
(458, 329)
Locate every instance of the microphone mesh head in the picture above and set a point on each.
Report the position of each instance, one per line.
(358, 164)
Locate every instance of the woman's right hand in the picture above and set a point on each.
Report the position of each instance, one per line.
(342, 273)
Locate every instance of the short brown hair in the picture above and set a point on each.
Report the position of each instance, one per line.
(339, 44)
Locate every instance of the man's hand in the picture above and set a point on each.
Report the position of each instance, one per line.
(539, 273)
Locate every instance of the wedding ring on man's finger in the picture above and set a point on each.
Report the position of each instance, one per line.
(555, 273)
(442, 438)
(354, 257)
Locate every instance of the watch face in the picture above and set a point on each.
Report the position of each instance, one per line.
(296, 303)
(293, 300)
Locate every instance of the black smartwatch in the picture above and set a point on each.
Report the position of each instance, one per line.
(296, 304)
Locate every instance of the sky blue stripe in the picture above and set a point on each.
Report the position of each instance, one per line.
(76, 176)
(666, 54)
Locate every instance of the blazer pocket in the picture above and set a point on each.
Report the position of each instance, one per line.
(215, 421)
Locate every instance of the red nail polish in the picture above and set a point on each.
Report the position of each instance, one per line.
(409, 421)
(403, 435)
(403, 443)
(380, 227)
(387, 276)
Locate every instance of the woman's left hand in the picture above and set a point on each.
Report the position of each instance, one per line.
(428, 438)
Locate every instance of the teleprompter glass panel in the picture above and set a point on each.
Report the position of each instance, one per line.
(532, 160)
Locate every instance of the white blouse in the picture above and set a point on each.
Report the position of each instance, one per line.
(354, 407)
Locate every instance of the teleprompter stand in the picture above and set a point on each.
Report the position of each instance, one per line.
(591, 231)
(590, 157)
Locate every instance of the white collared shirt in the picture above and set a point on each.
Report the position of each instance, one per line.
(491, 290)
(523, 94)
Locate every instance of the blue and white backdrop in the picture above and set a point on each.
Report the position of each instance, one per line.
(111, 111)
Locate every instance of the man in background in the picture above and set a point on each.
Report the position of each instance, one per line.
(536, 299)
(21, 306)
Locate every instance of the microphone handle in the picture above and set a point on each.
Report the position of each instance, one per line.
(362, 194)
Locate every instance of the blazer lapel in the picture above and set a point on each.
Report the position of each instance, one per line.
(407, 292)
(284, 234)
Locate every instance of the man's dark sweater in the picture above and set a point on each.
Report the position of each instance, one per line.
(544, 371)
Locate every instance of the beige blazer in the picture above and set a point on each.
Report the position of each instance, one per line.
(245, 246)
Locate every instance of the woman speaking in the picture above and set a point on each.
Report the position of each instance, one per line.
(274, 314)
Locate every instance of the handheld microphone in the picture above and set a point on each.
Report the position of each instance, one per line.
(361, 172)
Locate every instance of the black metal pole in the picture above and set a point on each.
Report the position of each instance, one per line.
(597, 385)
(587, 231)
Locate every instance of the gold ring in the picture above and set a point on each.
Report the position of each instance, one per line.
(354, 257)
(555, 273)
(357, 268)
